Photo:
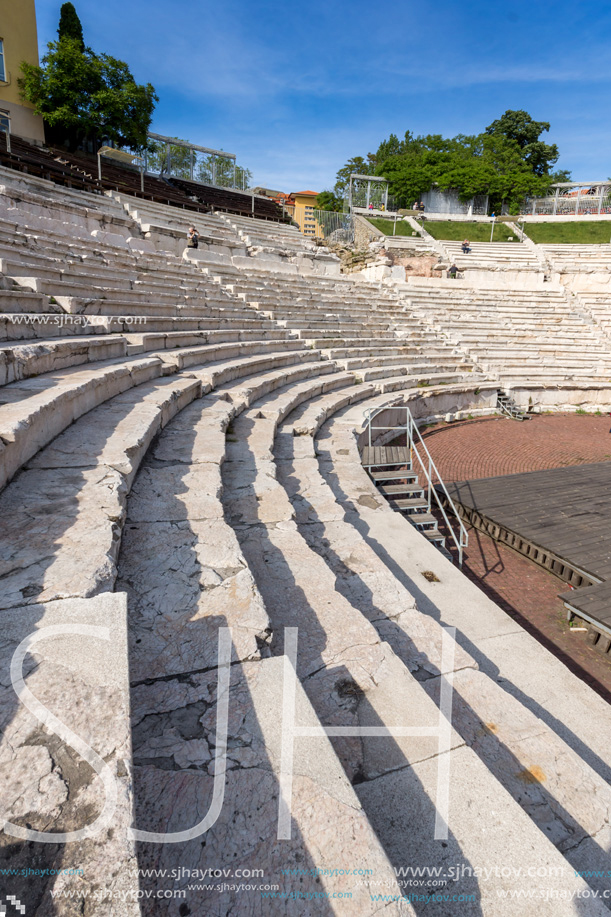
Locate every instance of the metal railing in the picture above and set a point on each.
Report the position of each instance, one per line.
(325, 224)
(572, 199)
(414, 443)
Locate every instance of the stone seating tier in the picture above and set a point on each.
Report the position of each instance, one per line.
(204, 466)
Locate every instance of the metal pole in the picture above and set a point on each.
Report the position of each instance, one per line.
(600, 198)
(234, 168)
(142, 179)
(368, 191)
(577, 201)
(556, 201)
(386, 198)
(191, 161)
(492, 229)
(168, 159)
(214, 170)
(99, 167)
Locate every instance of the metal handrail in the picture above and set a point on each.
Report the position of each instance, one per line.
(410, 428)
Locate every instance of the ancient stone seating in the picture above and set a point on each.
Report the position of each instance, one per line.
(598, 304)
(493, 256)
(575, 258)
(517, 335)
(199, 471)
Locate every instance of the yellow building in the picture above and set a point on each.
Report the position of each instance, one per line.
(305, 205)
(18, 42)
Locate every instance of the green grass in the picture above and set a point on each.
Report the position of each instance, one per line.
(451, 231)
(386, 226)
(596, 232)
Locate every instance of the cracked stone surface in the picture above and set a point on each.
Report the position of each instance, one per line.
(562, 794)
(61, 534)
(478, 837)
(184, 580)
(328, 824)
(47, 785)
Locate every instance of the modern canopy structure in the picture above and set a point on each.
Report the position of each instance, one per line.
(360, 191)
(181, 158)
(570, 197)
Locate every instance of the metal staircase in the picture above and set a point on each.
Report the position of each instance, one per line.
(507, 406)
(392, 469)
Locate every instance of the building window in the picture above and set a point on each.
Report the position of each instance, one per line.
(5, 121)
(2, 67)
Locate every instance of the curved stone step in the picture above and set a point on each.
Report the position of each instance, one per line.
(34, 411)
(299, 591)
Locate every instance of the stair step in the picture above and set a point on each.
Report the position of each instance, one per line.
(414, 490)
(423, 519)
(390, 489)
(391, 475)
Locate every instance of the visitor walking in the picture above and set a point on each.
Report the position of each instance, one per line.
(452, 272)
(192, 238)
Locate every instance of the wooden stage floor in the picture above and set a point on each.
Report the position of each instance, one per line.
(562, 519)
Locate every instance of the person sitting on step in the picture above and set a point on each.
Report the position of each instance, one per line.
(466, 247)
(192, 238)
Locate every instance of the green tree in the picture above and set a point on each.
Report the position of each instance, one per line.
(85, 96)
(327, 200)
(355, 165)
(70, 25)
(526, 132)
(506, 162)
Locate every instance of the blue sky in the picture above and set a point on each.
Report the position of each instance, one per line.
(297, 88)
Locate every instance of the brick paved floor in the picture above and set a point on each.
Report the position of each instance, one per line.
(525, 591)
(485, 448)
(529, 594)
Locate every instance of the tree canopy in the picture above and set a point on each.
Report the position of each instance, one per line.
(327, 200)
(507, 162)
(70, 25)
(85, 96)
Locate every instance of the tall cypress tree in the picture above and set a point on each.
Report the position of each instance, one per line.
(70, 25)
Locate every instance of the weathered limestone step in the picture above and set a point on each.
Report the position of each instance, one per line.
(193, 356)
(517, 743)
(34, 411)
(176, 502)
(337, 646)
(487, 830)
(31, 358)
(175, 745)
(221, 372)
(539, 736)
(16, 300)
(64, 513)
(47, 785)
(340, 654)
